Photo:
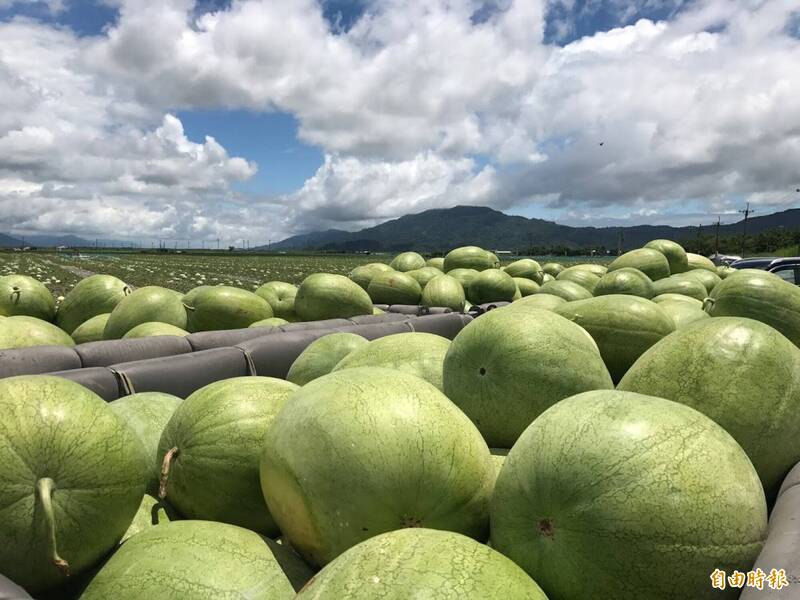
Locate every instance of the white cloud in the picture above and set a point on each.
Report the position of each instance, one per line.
(407, 105)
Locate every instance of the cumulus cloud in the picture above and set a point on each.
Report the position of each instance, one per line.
(419, 104)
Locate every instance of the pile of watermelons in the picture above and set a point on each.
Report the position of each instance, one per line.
(611, 434)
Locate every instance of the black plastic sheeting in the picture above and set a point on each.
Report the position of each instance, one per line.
(101, 380)
(106, 353)
(446, 325)
(417, 310)
(205, 340)
(479, 309)
(182, 374)
(39, 359)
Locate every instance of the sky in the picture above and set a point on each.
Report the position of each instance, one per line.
(260, 119)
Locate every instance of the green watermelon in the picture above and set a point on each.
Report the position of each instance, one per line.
(624, 327)
(697, 261)
(526, 287)
(596, 269)
(538, 301)
(188, 297)
(650, 262)
(444, 290)
(91, 330)
(583, 277)
(568, 290)
(470, 257)
(625, 281)
(92, 296)
(271, 322)
(363, 274)
(463, 276)
(553, 269)
(678, 298)
(326, 296)
(147, 414)
(25, 296)
(421, 563)
(363, 451)
(407, 261)
(760, 296)
(146, 304)
(741, 373)
(709, 279)
(394, 288)
(683, 313)
(724, 270)
(152, 329)
(72, 478)
(199, 560)
(616, 495)
(424, 275)
(682, 284)
(281, 297)
(525, 268)
(225, 307)
(210, 450)
(436, 263)
(420, 354)
(503, 370)
(674, 252)
(322, 355)
(491, 285)
(26, 332)
(152, 512)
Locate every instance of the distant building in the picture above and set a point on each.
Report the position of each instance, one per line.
(502, 251)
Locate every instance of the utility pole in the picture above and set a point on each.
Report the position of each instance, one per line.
(620, 240)
(716, 241)
(746, 212)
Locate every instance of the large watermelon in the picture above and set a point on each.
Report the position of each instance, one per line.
(581, 276)
(146, 304)
(553, 269)
(650, 262)
(507, 366)
(696, 261)
(25, 332)
(394, 288)
(153, 329)
(708, 278)
(568, 290)
(625, 281)
(363, 274)
(491, 285)
(225, 307)
(617, 495)
(676, 255)
(72, 478)
(407, 261)
(683, 313)
(424, 275)
(463, 276)
(683, 284)
(322, 355)
(91, 330)
(470, 257)
(92, 296)
(281, 297)
(545, 301)
(363, 451)
(25, 296)
(741, 373)
(445, 291)
(527, 268)
(326, 296)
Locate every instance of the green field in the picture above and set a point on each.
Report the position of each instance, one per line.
(61, 271)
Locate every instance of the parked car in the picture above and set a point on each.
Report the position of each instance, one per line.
(786, 268)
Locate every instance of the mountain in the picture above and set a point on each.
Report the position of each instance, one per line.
(444, 229)
(56, 240)
(9, 242)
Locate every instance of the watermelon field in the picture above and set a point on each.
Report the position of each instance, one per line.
(397, 426)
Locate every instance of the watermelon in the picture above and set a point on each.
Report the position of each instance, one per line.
(683, 313)
(271, 322)
(281, 297)
(503, 370)
(188, 297)
(678, 298)
(491, 285)
(624, 327)
(650, 262)
(210, 450)
(363, 274)
(708, 278)
(581, 276)
(322, 355)
(625, 281)
(568, 290)
(147, 414)
(618, 495)
(394, 288)
(146, 304)
(91, 330)
(368, 450)
(152, 512)
(95, 295)
(697, 261)
(407, 261)
(538, 301)
(225, 307)
(553, 268)
(526, 268)
(424, 275)
(470, 257)
(420, 354)
(674, 252)
(526, 287)
(72, 478)
(327, 296)
(153, 329)
(724, 270)
(445, 291)
(760, 296)
(419, 563)
(436, 263)
(199, 560)
(547, 277)
(463, 276)
(741, 373)
(25, 296)
(682, 284)
(593, 268)
(26, 332)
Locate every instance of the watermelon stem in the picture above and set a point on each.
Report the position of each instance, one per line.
(162, 485)
(44, 492)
